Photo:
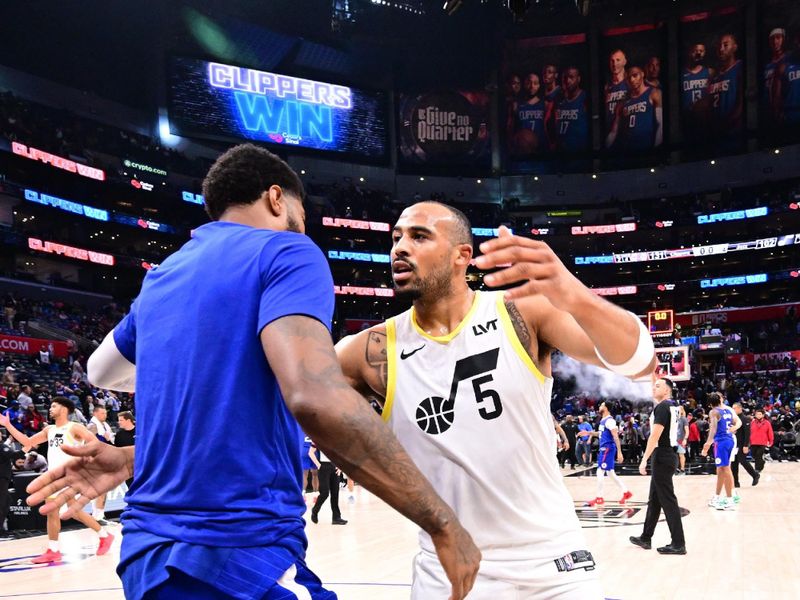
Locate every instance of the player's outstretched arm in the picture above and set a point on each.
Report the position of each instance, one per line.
(97, 469)
(301, 354)
(107, 368)
(563, 312)
(26, 441)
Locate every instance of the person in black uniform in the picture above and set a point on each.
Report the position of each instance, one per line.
(743, 447)
(662, 444)
(126, 435)
(571, 431)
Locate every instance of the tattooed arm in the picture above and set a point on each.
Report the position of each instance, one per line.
(364, 360)
(342, 424)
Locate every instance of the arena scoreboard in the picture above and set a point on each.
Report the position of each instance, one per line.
(232, 103)
(661, 322)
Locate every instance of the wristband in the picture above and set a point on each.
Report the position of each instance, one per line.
(641, 357)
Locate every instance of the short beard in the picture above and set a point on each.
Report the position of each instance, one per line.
(436, 285)
(292, 224)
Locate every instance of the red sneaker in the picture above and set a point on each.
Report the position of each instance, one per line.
(596, 502)
(48, 557)
(105, 544)
(626, 496)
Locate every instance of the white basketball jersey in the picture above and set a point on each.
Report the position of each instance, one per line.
(473, 412)
(56, 438)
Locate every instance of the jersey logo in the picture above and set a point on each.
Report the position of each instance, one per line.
(435, 415)
(404, 356)
(481, 329)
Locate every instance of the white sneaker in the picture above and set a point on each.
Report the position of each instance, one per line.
(726, 504)
(714, 501)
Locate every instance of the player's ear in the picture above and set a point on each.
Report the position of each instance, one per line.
(464, 254)
(274, 200)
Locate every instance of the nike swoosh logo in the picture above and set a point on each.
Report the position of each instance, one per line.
(404, 356)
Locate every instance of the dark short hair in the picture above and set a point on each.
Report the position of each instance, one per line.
(715, 399)
(462, 232)
(126, 414)
(242, 174)
(669, 382)
(66, 403)
(611, 406)
(98, 407)
(761, 410)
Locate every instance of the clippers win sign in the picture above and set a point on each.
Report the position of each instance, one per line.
(445, 128)
(222, 101)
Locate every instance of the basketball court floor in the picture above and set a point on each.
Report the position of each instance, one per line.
(744, 554)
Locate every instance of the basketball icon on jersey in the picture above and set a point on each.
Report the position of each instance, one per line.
(435, 414)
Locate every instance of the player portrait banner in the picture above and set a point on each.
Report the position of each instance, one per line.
(545, 101)
(634, 88)
(779, 74)
(229, 102)
(712, 80)
(445, 128)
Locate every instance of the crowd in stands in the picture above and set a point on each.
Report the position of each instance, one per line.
(775, 395)
(63, 133)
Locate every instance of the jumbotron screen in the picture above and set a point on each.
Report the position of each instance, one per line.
(229, 102)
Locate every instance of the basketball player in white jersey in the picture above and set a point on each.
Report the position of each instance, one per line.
(466, 381)
(62, 433)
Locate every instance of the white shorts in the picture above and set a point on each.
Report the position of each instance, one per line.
(528, 580)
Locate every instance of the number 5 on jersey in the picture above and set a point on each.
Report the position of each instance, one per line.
(435, 414)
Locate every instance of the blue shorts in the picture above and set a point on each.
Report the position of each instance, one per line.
(181, 585)
(724, 452)
(308, 464)
(606, 457)
(152, 567)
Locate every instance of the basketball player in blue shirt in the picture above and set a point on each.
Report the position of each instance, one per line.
(616, 90)
(245, 304)
(531, 113)
(639, 122)
(609, 452)
(786, 89)
(726, 90)
(694, 80)
(723, 425)
(777, 45)
(572, 114)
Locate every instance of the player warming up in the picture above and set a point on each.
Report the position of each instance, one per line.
(722, 430)
(466, 380)
(610, 451)
(63, 433)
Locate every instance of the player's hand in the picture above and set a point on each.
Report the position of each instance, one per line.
(533, 262)
(704, 451)
(620, 458)
(96, 469)
(4, 420)
(566, 445)
(643, 468)
(459, 556)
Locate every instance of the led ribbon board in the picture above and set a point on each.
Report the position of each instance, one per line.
(735, 215)
(70, 252)
(222, 101)
(58, 162)
(692, 252)
(358, 256)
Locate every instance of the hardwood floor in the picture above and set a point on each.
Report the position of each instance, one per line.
(747, 553)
